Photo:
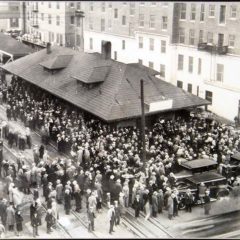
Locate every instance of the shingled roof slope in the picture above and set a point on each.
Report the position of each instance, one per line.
(14, 47)
(116, 97)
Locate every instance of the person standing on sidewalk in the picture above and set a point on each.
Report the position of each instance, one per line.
(67, 201)
(137, 205)
(35, 223)
(117, 213)
(19, 220)
(49, 220)
(188, 200)
(10, 217)
(111, 218)
(207, 200)
(90, 216)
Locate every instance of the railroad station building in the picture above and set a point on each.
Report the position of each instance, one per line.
(108, 89)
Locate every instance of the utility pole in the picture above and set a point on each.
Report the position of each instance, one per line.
(143, 124)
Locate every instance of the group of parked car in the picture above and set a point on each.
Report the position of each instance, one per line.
(196, 172)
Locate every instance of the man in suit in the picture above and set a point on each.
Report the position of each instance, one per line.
(137, 205)
(188, 200)
(90, 215)
(111, 218)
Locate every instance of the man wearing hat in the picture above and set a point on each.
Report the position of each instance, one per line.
(207, 202)
(111, 218)
(117, 212)
(137, 205)
(90, 216)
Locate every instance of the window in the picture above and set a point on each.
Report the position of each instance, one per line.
(191, 36)
(71, 4)
(91, 6)
(222, 16)
(102, 24)
(90, 24)
(151, 65)
(142, 3)
(61, 39)
(233, 11)
(72, 19)
(42, 16)
(115, 55)
(109, 23)
(199, 66)
(91, 43)
(78, 40)
(162, 70)
(208, 96)
(115, 13)
(110, 5)
(210, 37)
(153, 3)
(200, 36)
(231, 40)
(28, 17)
(180, 61)
(58, 21)
(165, 4)
(189, 87)
(152, 21)
(193, 11)
(163, 46)
(132, 8)
(140, 42)
(183, 9)
(124, 20)
(179, 84)
(78, 5)
(141, 20)
(14, 23)
(140, 61)
(164, 22)
(49, 19)
(211, 10)
(57, 5)
(124, 3)
(123, 44)
(181, 35)
(103, 6)
(190, 64)
(220, 72)
(49, 5)
(151, 44)
(202, 12)
(78, 22)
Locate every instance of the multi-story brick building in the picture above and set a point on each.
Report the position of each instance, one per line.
(195, 46)
(55, 22)
(10, 17)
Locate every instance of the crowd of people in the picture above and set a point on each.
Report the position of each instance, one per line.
(105, 163)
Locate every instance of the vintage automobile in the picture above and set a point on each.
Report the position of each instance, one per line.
(201, 171)
(232, 168)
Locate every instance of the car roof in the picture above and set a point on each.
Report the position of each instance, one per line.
(236, 156)
(206, 177)
(198, 163)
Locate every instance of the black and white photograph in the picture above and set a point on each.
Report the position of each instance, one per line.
(119, 119)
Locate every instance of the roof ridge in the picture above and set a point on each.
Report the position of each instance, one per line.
(117, 87)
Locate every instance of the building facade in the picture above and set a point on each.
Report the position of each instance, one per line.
(194, 45)
(10, 16)
(56, 22)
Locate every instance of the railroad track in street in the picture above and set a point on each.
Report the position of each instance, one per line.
(151, 228)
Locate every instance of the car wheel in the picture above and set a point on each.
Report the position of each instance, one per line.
(222, 193)
(181, 206)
